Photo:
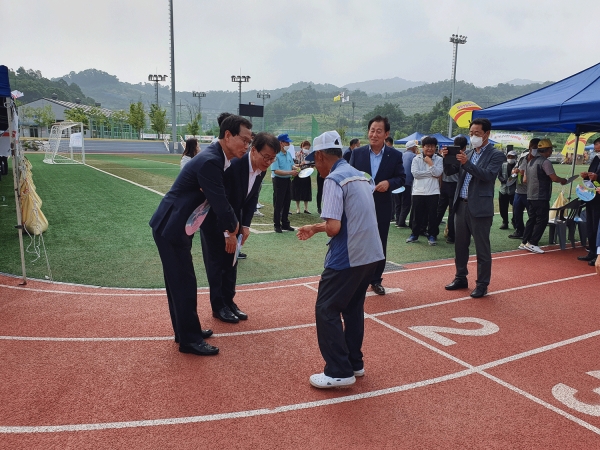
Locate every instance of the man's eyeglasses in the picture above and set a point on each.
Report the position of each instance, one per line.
(246, 141)
(268, 159)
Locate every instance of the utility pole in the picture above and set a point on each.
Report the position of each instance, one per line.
(455, 39)
(263, 95)
(240, 79)
(173, 111)
(353, 105)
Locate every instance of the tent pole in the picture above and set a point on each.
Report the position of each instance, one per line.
(16, 183)
(577, 134)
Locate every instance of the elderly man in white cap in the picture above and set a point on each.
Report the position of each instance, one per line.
(354, 253)
(412, 149)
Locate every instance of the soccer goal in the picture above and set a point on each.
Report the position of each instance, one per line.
(66, 144)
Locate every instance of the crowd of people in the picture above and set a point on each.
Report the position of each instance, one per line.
(359, 194)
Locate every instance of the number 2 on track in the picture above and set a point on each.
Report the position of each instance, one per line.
(433, 332)
(566, 395)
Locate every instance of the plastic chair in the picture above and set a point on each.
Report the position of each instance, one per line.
(573, 221)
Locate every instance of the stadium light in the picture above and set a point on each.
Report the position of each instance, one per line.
(240, 79)
(199, 95)
(455, 39)
(156, 79)
(263, 95)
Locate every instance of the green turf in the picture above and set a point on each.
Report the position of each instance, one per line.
(98, 227)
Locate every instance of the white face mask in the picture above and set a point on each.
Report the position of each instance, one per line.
(286, 147)
(511, 160)
(534, 152)
(476, 141)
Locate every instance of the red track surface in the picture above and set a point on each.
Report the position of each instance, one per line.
(89, 367)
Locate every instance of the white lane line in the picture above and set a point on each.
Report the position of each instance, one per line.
(162, 292)
(387, 291)
(155, 161)
(128, 181)
(148, 338)
(501, 291)
(312, 288)
(231, 415)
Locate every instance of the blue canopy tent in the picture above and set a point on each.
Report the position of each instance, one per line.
(571, 105)
(416, 136)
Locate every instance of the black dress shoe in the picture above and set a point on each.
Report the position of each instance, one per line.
(587, 257)
(504, 226)
(242, 256)
(200, 349)
(378, 289)
(240, 314)
(225, 315)
(592, 262)
(457, 283)
(479, 292)
(288, 228)
(515, 236)
(278, 230)
(205, 335)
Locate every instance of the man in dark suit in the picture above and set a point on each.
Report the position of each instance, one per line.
(384, 164)
(201, 179)
(474, 206)
(592, 207)
(242, 185)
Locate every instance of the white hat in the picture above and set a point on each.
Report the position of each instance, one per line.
(411, 144)
(329, 139)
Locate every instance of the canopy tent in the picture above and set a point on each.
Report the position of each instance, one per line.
(442, 140)
(468, 138)
(571, 105)
(416, 136)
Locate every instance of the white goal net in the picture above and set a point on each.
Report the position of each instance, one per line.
(66, 144)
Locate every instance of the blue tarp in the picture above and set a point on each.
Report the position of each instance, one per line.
(4, 85)
(571, 105)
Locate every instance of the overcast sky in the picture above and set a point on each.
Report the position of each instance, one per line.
(281, 42)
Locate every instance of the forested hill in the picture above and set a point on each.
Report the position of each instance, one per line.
(33, 84)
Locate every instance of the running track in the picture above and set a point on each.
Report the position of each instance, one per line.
(86, 367)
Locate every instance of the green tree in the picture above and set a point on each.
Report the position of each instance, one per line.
(158, 119)
(77, 115)
(395, 115)
(193, 127)
(137, 117)
(43, 117)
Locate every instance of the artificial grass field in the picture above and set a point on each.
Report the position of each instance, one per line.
(99, 235)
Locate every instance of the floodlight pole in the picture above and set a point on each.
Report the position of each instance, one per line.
(454, 39)
(240, 79)
(173, 105)
(155, 79)
(263, 95)
(199, 95)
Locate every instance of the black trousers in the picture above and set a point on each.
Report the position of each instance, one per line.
(447, 190)
(503, 201)
(519, 205)
(384, 214)
(396, 206)
(219, 270)
(425, 214)
(405, 206)
(182, 289)
(342, 294)
(592, 221)
(539, 213)
(281, 201)
(320, 182)
(467, 226)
